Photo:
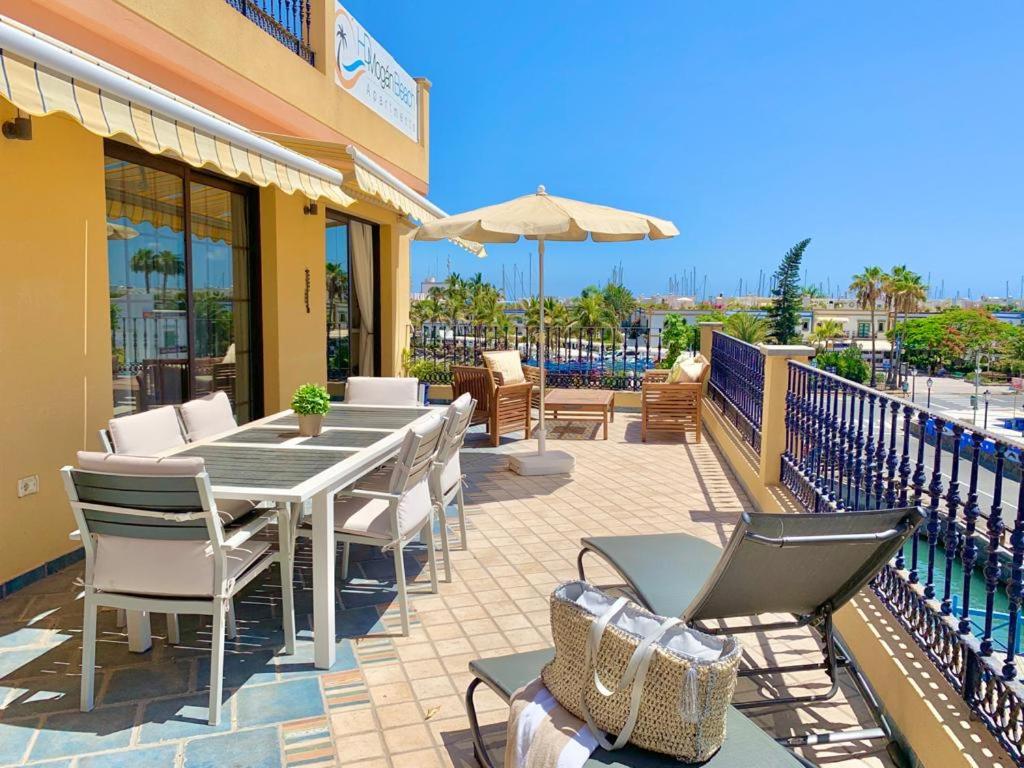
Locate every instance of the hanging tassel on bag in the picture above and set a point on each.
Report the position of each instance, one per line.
(689, 709)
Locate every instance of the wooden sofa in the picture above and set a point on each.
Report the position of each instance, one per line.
(502, 407)
(668, 407)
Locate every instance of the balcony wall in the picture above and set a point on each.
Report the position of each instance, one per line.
(928, 715)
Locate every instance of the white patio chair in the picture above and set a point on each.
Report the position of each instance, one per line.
(446, 475)
(144, 434)
(207, 415)
(156, 431)
(381, 390)
(155, 540)
(393, 513)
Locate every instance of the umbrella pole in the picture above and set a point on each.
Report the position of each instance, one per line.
(543, 462)
(541, 344)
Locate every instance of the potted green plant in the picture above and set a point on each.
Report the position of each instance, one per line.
(310, 402)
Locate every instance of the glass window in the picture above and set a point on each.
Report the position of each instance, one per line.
(181, 266)
(145, 254)
(350, 252)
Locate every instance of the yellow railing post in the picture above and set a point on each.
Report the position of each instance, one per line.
(773, 406)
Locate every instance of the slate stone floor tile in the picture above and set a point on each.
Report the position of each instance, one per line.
(279, 702)
(78, 733)
(181, 717)
(258, 748)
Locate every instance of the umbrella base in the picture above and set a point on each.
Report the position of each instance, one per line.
(547, 463)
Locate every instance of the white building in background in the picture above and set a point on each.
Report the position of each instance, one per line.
(671, 300)
(426, 286)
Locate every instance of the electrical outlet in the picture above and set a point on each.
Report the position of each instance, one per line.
(28, 485)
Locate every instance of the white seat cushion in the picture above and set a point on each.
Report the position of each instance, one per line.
(231, 510)
(379, 390)
(209, 415)
(146, 433)
(116, 464)
(369, 517)
(171, 568)
(451, 474)
(692, 370)
(508, 364)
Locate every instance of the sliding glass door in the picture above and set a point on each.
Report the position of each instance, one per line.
(353, 297)
(182, 276)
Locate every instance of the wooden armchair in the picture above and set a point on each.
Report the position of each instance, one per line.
(532, 374)
(502, 407)
(668, 407)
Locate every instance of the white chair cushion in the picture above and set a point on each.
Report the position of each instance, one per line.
(116, 464)
(451, 473)
(146, 433)
(508, 364)
(171, 568)
(229, 510)
(379, 390)
(692, 370)
(207, 416)
(369, 517)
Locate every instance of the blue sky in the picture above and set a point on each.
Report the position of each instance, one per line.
(887, 132)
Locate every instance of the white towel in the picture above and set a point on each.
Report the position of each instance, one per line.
(543, 734)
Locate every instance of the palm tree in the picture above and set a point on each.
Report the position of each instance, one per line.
(591, 311)
(427, 310)
(620, 301)
(485, 306)
(337, 288)
(746, 327)
(868, 286)
(454, 298)
(168, 265)
(826, 332)
(905, 293)
(145, 260)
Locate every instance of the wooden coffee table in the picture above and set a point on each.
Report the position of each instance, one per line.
(580, 405)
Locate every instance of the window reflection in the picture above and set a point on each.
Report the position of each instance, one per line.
(180, 312)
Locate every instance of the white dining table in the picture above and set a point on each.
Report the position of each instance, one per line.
(267, 460)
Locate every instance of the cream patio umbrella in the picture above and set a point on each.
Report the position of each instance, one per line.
(544, 217)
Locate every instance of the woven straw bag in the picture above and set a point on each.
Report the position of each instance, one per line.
(651, 680)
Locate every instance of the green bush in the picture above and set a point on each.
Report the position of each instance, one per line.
(428, 370)
(310, 399)
(848, 363)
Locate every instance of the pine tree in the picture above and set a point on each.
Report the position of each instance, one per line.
(784, 313)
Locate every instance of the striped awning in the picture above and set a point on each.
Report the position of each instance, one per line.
(375, 181)
(41, 76)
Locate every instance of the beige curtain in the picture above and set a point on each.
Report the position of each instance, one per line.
(361, 239)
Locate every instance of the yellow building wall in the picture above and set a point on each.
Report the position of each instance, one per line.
(224, 35)
(294, 338)
(55, 381)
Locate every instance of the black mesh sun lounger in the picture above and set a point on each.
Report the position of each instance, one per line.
(746, 745)
(806, 566)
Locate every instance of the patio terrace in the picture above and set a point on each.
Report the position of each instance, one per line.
(389, 702)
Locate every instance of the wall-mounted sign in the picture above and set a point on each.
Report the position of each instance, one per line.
(364, 69)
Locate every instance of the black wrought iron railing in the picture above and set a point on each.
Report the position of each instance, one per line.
(287, 21)
(598, 358)
(737, 384)
(958, 586)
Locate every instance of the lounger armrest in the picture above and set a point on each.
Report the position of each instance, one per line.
(245, 532)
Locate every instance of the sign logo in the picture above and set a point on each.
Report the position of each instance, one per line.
(368, 72)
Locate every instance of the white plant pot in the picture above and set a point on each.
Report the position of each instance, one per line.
(310, 424)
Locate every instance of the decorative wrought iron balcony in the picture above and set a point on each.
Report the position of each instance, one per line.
(608, 357)
(958, 587)
(287, 21)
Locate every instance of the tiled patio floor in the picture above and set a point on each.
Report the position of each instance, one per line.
(389, 701)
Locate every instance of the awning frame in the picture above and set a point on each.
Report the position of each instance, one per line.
(86, 71)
